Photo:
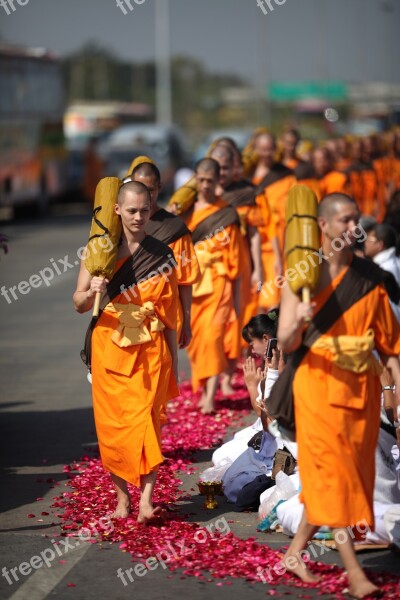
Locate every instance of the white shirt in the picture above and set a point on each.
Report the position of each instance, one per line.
(388, 261)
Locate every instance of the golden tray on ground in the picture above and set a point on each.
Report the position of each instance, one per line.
(210, 489)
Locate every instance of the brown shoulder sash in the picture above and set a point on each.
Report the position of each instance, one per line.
(240, 193)
(304, 170)
(150, 256)
(222, 218)
(277, 172)
(361, 278)
(166, 227)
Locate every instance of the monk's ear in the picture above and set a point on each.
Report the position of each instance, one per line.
(322, 223)
(117, 208)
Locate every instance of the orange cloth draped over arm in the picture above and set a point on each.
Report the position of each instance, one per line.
(334, 182)
(313, 185)
(337, 417)
(187, 268)
(132, 384)
(233, 338)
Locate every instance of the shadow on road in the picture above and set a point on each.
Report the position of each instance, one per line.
(33, 443)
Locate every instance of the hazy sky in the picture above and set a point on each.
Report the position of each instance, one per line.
(353, 40)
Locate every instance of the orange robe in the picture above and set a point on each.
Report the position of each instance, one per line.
(187, 269)
(337, 417)
(249, 215)
(305, 175)
(364, 187)
(334, 181)
(313, 185)
(212, 311)
(131, 384)
(165, 227)
(272, 202)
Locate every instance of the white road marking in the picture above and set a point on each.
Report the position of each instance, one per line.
(44, 580)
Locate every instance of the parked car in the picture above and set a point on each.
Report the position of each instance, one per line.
(166, 145)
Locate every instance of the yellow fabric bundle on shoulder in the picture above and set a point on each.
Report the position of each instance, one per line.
(105, 232)
(302, 240)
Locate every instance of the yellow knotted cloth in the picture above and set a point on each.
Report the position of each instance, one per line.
(351, 352)
(207, 261)
(184, 197)
(132, 329)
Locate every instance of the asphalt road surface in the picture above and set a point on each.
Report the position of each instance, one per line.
(47, 422)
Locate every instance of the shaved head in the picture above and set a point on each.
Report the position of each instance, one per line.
(329, 205)
(146, 170)
(208, 165)
(265, 138)
(223, 152)
(132, 188)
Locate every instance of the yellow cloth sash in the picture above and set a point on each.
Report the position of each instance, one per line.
(132, 329)
(207, 260)
(351, 352)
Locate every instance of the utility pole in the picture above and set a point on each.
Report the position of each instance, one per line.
(163, 63)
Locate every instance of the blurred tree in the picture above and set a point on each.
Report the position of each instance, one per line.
(94, 73)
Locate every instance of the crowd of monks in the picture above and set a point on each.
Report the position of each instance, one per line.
(256, 183)
(193, 275)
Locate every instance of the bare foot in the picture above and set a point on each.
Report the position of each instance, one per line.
(202, 400)
(363, 589)
(150, 515)
(296, 565)
(207, 409)
(123, 509)
(226, 388)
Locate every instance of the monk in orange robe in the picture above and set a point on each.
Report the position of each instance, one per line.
(171, 230)
(240, 194)
(133, 352)
(343, 161)
(337, 392)
(329, 180)
(217, 241)
(381, 166)
(363, 179)
(273, 182)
